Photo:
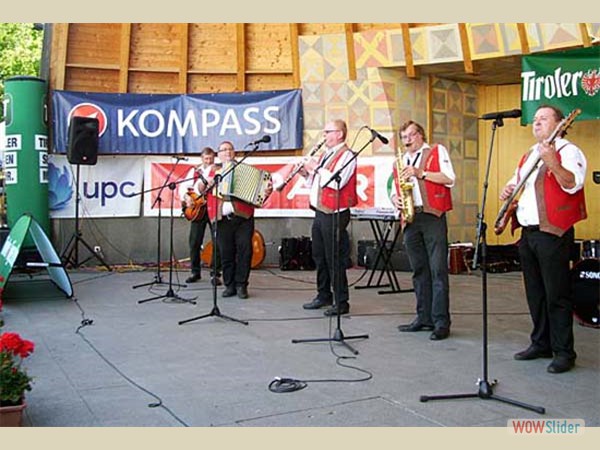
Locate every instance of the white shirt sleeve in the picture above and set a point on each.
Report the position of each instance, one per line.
(573, 160)
(446, 164)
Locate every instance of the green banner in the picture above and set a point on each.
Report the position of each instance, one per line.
(27, 225)
(567, 80)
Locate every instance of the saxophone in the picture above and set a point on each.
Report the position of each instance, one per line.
(405, 188)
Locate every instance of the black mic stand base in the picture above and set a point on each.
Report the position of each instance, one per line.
(214, 313)
(171, 294)
(73, 260)
(486, 393)
(157, 280)
(338, 336)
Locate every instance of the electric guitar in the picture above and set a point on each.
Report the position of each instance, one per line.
(510, 204)
(197, 209)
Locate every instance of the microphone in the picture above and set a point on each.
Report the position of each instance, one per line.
(375, 134)
(512, 114)
(264, 139)
(180, 158)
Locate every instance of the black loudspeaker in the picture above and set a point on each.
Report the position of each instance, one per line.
(83, 141)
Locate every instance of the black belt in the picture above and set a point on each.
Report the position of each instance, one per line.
(418, 209)
(532, 228)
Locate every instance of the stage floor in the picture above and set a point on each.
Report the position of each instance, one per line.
(215, 372)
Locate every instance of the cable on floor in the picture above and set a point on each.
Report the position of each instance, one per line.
(159, 403)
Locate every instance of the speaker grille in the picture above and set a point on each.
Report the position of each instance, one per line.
(83, 141)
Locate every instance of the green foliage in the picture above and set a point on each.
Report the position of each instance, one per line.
(20, 52)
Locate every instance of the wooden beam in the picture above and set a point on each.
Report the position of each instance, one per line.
(349, 29)
(240, 31)
(408, 58)
(466, 49)
(58, 67)
(295, 54)
(124, 57)
(522, 28)
(429, 108)
(585, 35)
(183, 56)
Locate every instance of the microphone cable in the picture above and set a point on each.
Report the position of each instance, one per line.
(159, 403)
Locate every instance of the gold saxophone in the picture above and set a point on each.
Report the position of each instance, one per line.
(407, 211)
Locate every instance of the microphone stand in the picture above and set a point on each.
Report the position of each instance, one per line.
(215, 311)
(170, 293)
(485, 391)
(157, 276)
(338, 334)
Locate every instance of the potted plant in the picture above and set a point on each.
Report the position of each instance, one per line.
(14, 380)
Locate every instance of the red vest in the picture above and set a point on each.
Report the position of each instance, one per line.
(437, 198)
(214, 205)
(328, 197)
(557, 210)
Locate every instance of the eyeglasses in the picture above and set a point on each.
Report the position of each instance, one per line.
(330, 131)
(412, 134)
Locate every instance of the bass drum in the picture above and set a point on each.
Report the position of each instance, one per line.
(258, 251)
(585, 292)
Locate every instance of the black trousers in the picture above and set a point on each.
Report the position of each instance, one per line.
(196, 238)
(545, 264)
(234, 235)
(325, 256)
(426, 242)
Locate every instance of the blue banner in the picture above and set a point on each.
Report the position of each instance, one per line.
(169, 124)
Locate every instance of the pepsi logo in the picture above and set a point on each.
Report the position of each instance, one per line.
(92, 111)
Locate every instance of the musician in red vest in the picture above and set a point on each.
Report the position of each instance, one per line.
(235, 228)
(551, 202)
(190, 193)
(324, 201)
(426, 237)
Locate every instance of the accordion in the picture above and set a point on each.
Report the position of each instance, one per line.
(245, 183)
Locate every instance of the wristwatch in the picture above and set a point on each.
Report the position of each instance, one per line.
(424, 175)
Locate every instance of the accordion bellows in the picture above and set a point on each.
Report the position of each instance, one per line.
(245, 183)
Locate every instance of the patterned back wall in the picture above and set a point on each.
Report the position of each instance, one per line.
(384, 98)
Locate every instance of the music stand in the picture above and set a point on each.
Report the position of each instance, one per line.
(170, 293)
(215, 311)
(338, 334)
(485, 391)
(158, 276)
(70, 254)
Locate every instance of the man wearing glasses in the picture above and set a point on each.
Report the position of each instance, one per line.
(426, 238)
(331, 255)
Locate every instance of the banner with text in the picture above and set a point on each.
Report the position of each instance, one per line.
(567, 80)
(168, 124)
(111, 188)
(373, 185)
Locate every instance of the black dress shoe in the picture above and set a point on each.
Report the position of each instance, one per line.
(440, 334)
(229, 292)
(415, 326)
(317, 303)
(216, 281)
(193, 278)
(561, 364)
(532, 352)
(333, 310)
(242, 292)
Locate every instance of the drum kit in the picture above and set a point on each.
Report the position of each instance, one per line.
(585, 285)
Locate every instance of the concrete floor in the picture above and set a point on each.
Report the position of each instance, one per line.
(215, 372)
